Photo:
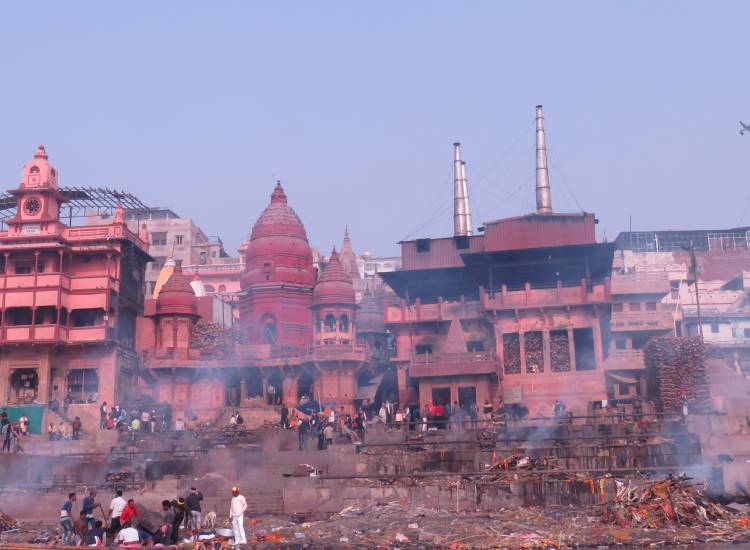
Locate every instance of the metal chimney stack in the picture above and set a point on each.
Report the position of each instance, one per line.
(461, 223)
(465, 186)
(543, 195)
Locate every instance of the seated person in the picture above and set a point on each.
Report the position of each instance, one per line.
(95, 536)
(128, 536)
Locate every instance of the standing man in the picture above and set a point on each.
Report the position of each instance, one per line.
(7, 434)
(66, 519)
(103, 416)
(88, 506)
(180, 509)
(237, 516)
(193, 502)
(284, 417)
(302, 433)
(115, 511)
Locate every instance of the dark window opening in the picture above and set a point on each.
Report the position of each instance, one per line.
(621, 343)
(441, 396)
(462, 242)
(423, 349)
(423, 245)
(83, 385)
(86, 317)
(19, 316)
(714, 328)
(329, 323)
(46, 315)
(159, 238)
(467, 396)
(616, 307)
(634, 306)
(583, 343)
(650, 306)
(344, 323)
(24, 384)
(674, 289)
(178, 239)
(475, 346)
(747, 332)
(270, 334)
(24, 268)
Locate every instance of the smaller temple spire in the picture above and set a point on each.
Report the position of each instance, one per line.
(278, 194)
(41, 153)
(543, 194)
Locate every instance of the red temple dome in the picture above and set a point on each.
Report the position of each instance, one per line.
(278, 250)
(176, 296)
(335, 285)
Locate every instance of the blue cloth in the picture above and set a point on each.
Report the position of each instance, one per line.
(68, 507)
(88, 505)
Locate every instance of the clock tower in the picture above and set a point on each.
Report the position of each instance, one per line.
(38, 197)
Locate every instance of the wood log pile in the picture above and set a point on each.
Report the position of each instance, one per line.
(559, 349)
(675, 370)
(512, 353)
(7, 522)
(212, 338)
(534, 351)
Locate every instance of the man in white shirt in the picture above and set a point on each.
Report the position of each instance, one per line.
(237, 515)
(128, 536)
(115, 510)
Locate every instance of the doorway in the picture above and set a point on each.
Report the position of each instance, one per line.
(441, 396)
(467, 397)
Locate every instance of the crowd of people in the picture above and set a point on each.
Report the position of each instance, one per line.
(12, 432)
(128, 524)
(145, 420)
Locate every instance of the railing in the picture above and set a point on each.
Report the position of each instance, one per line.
(462, 357)
(443, 309)
(215, 268)
(531, 296)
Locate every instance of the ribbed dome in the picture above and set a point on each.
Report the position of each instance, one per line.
(278, 250)
(335, 285)
(176, 296)
(370, 316)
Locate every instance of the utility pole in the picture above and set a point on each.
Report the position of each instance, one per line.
(694, 271)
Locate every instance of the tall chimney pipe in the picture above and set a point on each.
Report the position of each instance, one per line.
(543, 195)
(465, 186)
(460, 227)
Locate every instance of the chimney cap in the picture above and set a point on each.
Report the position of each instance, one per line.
(455, 143)
(539, 106)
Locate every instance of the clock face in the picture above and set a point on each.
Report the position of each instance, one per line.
(32, 206)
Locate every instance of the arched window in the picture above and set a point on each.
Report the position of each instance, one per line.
(269, 333)
(222, 288)
(34, 170)
(330, 323)
(344, 323)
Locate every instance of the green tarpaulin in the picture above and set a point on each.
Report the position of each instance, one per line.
(35, 414)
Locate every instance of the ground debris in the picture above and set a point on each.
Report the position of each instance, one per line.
(7, 522)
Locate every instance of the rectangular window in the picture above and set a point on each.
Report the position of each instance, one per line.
(178, 239)
(423, 245)
(621, 343)
(423, 349)
(83, 385)
(746, 332)
(650, 306)
(674, 289)
(583, 343)
(159, 238)
(23, 269)
(616, 308)
(634, 306)
(462, 243)
(475, 346)
(714, 328)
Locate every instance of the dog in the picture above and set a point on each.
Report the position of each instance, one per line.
(209, 520)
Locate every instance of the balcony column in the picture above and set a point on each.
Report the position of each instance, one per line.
(500, 349)
(289, 391)
(571, 349)
(265, 388)
(599, 353)
(44, 373)
(522, 349)
(403, 389)
(243, 388)
(546, 351)
(60, 255)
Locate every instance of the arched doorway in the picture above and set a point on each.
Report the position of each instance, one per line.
(275, 395)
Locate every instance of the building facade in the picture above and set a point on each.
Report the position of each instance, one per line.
(69, 299)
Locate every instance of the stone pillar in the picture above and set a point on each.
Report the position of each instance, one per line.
(289, 391)
(598, 352)
(522, 350)
(45, 373)
(243, 389)
(571, 349)
(265, 389)
(546, 351)
(403, 389)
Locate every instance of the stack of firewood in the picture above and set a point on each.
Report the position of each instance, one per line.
(210, 338)
(676, 372)
(534, 351)
(559, 349)
(512, 353)
(7, 522)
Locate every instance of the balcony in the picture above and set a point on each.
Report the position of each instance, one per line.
(621, 359)
(440, 311)
(624, 321)
(453, 364)
(338, 353)
(535, 297)
(643, 282)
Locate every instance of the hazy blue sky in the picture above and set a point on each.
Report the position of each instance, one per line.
(200, 106)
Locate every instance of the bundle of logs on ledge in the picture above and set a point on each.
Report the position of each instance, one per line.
(675, 370)
(511, 354)
(559, 350)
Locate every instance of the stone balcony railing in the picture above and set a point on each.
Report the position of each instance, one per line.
(660, 319)
(583, 293)
(624, 359)
(453, 364)
(641, 282)
(439, 311)
(54, 333)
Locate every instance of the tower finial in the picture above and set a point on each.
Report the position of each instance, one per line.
(543, 194)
